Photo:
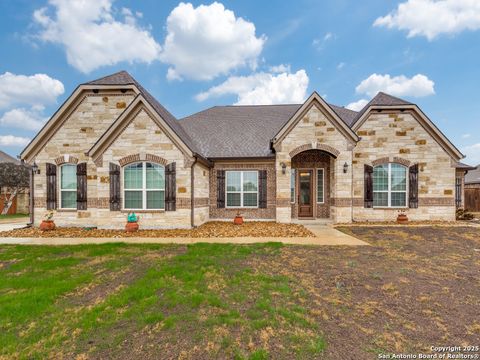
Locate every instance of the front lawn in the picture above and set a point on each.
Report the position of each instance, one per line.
(14, 216)
(412, 289)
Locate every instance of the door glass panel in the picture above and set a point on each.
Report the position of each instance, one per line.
(305, 177)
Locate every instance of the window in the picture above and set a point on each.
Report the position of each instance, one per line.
(68, 186)
(144, 186)
(320, 181)
(242, 189)
(292, 186)
(390, 185)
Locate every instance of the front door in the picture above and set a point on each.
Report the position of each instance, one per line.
(305, 198)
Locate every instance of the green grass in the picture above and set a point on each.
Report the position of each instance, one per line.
(203, 296)
(13, 216)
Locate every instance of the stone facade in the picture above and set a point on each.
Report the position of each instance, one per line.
(141, 137)
(316, 130)
(248, 213)
(399, 137)
(316, 140)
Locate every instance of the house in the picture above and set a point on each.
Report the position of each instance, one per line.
(472, 190)
(19, 203)
(112, 148)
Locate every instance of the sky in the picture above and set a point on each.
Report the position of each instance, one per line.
(192, 56)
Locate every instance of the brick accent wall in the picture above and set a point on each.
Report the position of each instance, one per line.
(248, 214)
(314, 159)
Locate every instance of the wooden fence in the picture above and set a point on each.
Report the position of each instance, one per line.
(13, 208)
(472, 199)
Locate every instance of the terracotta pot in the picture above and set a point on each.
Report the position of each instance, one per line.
(131, 227)
(402, 219)
(47, 225)
(238, 220)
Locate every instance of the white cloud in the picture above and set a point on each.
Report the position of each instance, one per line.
(357, 105)
(262, 88)
(430, 18)
(11, 140)
(92, 36)
(24, 119)
(466, 136)
(319, 43)
(38, 89)
(280, 68)
(208, 41)
(417, 86)
(472, 153)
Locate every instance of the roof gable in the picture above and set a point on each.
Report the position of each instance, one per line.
(313, 100)
(127, 116)
(5, 158)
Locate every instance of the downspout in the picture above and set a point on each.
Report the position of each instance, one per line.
(192, 195)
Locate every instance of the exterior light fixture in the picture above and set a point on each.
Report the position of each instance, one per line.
(345, 168)
(35, 167)
(284, 168)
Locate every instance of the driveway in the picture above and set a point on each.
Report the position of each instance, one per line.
(11, 224)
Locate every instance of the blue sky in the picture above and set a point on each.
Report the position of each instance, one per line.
(195, 55)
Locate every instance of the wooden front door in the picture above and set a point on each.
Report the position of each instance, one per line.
(305, 193)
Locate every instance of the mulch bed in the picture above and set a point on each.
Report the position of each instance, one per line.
(219, 229)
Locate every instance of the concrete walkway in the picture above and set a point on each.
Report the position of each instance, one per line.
(324, 235)
(11, 224)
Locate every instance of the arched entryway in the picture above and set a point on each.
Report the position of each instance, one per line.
(312, 184)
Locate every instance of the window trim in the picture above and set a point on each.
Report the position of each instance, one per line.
(144, 189)
(323, 186)
(60, 207)
(389, 187)
(241, 192)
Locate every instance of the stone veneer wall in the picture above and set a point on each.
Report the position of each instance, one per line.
(142, 136)
(316, 127)
(201, 190)
(396, 136)
(248, 213)
(314, 159)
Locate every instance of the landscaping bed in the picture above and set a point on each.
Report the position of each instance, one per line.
(219, 229)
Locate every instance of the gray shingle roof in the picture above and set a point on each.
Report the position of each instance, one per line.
(381, 99)
(124, 78)
(236, 131)
(473, 176)
(245, 130)
(4, 157)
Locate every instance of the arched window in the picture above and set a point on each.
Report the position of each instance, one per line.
(390, 185)
(68, 186)
(144, 186)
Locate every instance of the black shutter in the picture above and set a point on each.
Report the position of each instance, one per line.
(114, 187)
(220, 189)
(51, 186)
(262, 189)
(413, 187)
(368, 186)
(170, 187)
(82, 186)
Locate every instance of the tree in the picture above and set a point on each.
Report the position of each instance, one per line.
(14, 179)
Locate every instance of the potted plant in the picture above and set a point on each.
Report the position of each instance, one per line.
(47, 223)
(132, 222)
(402, 217)
(238, 220)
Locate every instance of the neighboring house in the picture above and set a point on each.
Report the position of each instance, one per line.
(19, 203)
(472, 190)
(112, 148)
